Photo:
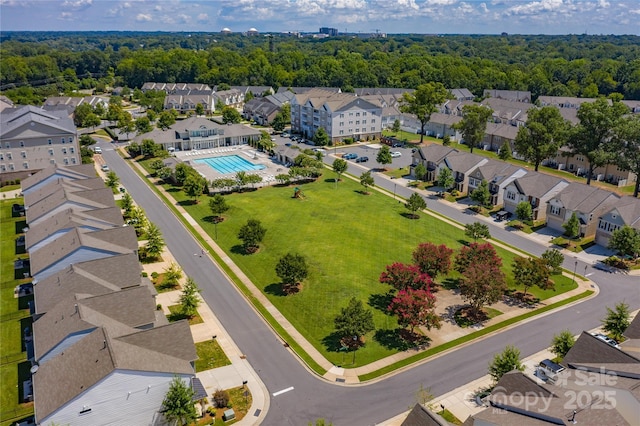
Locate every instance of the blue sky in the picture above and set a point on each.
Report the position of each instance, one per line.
(388, 16)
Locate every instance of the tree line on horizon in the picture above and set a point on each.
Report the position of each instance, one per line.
(40, 64)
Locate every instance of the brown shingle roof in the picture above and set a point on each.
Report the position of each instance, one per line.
(90, 278)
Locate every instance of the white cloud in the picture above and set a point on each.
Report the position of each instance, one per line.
(66, 16)
(142, 17)
(203, 18)
(77, 4)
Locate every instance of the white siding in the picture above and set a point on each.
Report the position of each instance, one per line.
(121, 398)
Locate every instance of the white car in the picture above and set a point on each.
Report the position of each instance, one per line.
(97, 150)
(104, 168)
(395, 154)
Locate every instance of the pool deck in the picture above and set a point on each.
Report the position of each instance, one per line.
(271, 168)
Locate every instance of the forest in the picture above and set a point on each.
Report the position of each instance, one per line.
(39, 64)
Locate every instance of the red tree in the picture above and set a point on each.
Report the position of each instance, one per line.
(432, 259)
(415, 308)
(477, 254)
(402, 277)
(482, 284)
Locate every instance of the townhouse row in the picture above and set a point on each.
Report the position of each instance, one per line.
(553, 200)
(100, 350)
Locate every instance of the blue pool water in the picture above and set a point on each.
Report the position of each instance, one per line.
(229, 164)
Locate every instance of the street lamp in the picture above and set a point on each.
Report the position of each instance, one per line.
(575, 268)
(394, 191)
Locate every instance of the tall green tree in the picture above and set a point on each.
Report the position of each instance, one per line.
(321, 138)
(292, 269)
(473, 124)
(194, 186)
(367, 181)
(423, 102)
(524, 211)
(554, 259)
(339, 167)
(353, 322)
(112, 180)
(218, 205)
(199, 109)
(445, 178)
(143, 125)
(627, 136)
(505, 152)
(189, 299)
(420, 171)
(593, 137)
(251, 235)
(126, 202)
(415, 203)
(530, 271)
(396, 126)
(542, 136)
(230, 115)
(504, 362)
(166, 120)
(561, 343)
(384, 155)
(177, 406)
(617, 320)
(481, 195)
(155, 241)
(572, 227)
(625, 240)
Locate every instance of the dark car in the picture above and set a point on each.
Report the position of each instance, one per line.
(350, 156)
(362, 159)
(398, 145)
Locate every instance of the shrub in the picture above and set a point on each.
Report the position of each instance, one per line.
(17, 181)
(158, 307)
(221, 398)
(145, 275)
(154, 275)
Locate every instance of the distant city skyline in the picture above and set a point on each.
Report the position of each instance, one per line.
(354, 16)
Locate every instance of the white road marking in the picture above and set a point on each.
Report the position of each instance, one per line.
(588, 275)
(282, 391)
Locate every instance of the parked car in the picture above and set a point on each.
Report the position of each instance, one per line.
(608, 340)
(97, 150)
(104, 168)
(362, 159)
(396, 154)
(350, 156)
(397, 145)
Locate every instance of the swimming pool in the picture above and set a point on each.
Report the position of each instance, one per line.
(229, 164)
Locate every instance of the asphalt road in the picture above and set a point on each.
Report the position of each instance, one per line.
(314, 398)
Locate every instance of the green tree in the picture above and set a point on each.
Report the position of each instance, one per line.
(292, 269)
(125, 123)
(339, 167)
(505, 152)
(138, 220)
(177, 405)
(627, 137)
(126, 202)
(189, 299)
(91, 120)
(143, 125)
(617, 321)
(182, 170)
(230, 115)
(172, 276)
(626, 241)
(199, 109)
(384, 155)
(194, 186)
(531, 271)
(166, 120)
(165, 173)
(320, 422)
(353, 322)
(420, 171)
(367, 181)
(148, 147)
(423, 102)
(321, 138)
(481, 195)
(445, 178)
(554, 259)
(414, 204)
(572, 227)
(278, 124)
(524, 211)
(542, 136)
(473, 124)
(561, 343)
(112, 180)
(81, 113)
(218, 205)
(477, 230)
(86, 140)
(593, 137)
(396, 126)
(504, 362)
(446, 140)
(251, 235)
(155, 242)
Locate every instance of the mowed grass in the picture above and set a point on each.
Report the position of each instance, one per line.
(347, 238)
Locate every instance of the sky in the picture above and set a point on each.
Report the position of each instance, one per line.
(364, 16)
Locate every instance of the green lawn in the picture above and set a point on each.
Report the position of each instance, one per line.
(14, 317)
(176, 315)
(210, 355)
(347, 238)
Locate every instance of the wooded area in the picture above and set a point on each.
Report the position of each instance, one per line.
(39, 64)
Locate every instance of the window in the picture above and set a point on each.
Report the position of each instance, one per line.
(61, 140)
(50, 151)
(350, 114)
(554, 210)
(357, 121)
(7, 145)
(49, 141)
(364, 113)
(66, 161)
(373, 120)
(373, 129)
(1, 156)
(11, 166)
(72, 150)
(25, 165)
(341, 123)
(64, 150)
(341, 115)
(474, 182)
(364, 121)
(9, 156)
(341, 132)
(357, 130)
(71, 139)
(73, 160)
(511, 196)
(23, 154)
(52, 161)
(21, 144)
(3, 168)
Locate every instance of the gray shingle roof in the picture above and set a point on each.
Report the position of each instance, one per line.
(584, 198)
(536, 184)
(422, 416)
(590, 350)
(12, 120)
(629, 209)
(464, 162)
(81, 200)
(58, 184)
(81, 171)
(633, 331)
(91, 278)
